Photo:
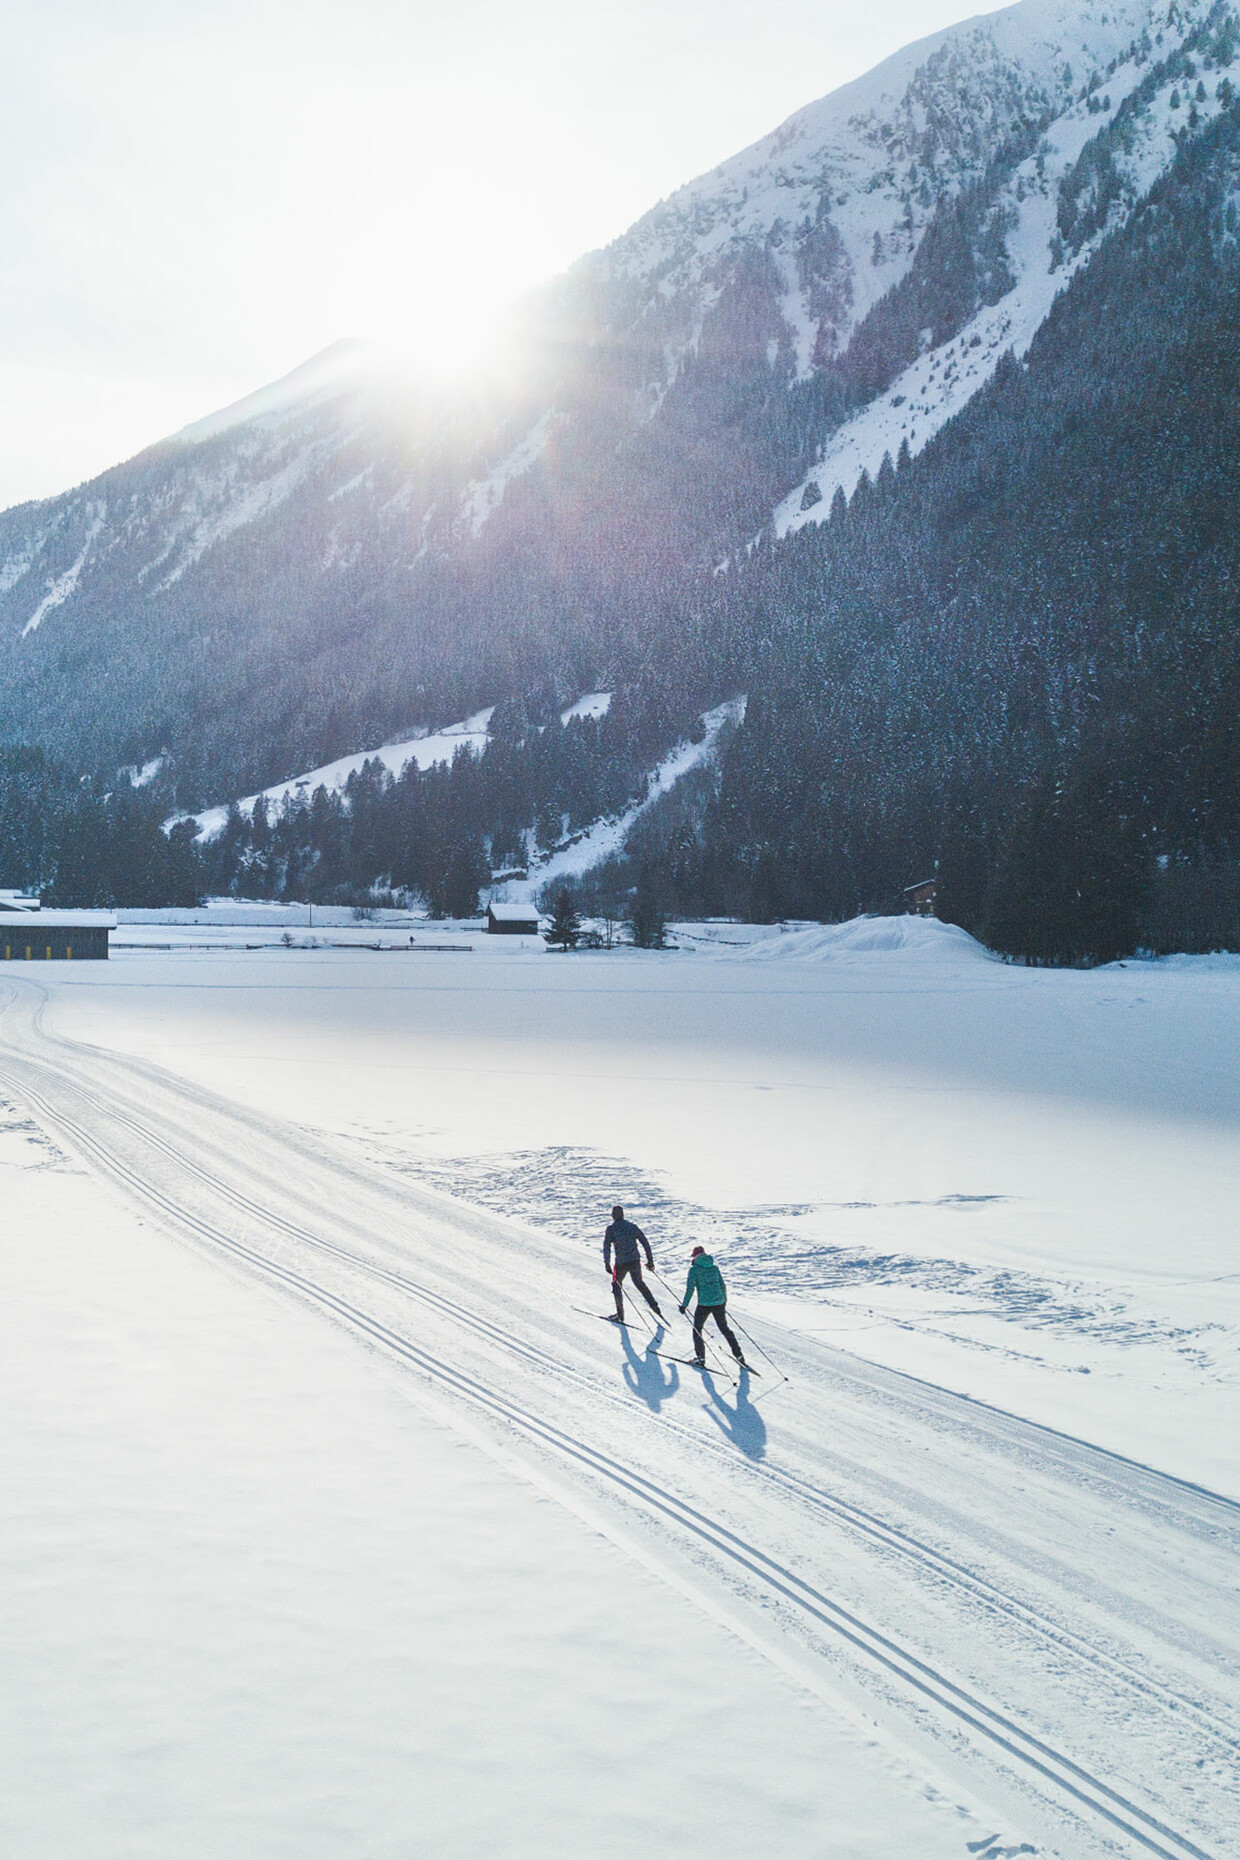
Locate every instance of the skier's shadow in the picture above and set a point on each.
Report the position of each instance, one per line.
(742, 1425)
(648, 1376)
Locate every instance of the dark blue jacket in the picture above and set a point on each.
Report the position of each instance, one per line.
(623, 1236)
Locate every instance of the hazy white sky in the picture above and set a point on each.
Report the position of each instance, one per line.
(201, 193)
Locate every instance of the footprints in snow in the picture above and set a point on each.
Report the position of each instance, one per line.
(24, 1146)
(564, 1187)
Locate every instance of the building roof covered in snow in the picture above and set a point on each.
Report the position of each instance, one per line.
(513, 918)
(32, 921)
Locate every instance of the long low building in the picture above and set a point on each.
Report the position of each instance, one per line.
(55, 936)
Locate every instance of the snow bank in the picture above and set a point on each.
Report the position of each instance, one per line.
(1220, 962)
(922, 937)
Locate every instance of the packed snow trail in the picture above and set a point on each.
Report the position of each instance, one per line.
(1045, 1620)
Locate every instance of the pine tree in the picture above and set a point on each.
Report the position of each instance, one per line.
(453, 892)
(647, 915)
(564, 931)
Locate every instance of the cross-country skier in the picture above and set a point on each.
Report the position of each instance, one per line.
(706, 1280)
(620, 1243)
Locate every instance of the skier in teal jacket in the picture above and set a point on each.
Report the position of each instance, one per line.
(706, 1280)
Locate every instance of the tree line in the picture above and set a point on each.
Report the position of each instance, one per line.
(79, 845)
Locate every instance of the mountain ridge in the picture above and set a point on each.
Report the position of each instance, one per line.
(265, 591)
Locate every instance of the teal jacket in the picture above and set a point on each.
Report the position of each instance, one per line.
(706, 1280)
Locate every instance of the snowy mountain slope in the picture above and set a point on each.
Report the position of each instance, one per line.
(322, 377)
(62, 587)
(314, 566)
(1143, 99)
(872, 162)
(577, 853)
(426, 750)
(604, 839)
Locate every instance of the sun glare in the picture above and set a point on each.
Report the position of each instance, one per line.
(210, 196)
(434, 342)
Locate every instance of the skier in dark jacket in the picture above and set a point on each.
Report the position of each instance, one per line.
(622, 1259)
(706, 1280)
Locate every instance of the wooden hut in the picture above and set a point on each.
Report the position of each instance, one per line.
(55, 936)
(512, 920)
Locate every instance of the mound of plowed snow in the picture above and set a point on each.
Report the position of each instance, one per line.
(921, 937)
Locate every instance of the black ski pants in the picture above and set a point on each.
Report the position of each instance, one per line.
(720, 1315)
(633, 1268)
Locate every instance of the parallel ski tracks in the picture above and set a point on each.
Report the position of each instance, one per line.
(845, 1511)
(1151, 1833)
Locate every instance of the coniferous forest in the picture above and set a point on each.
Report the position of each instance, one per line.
(1017, 657)
(1011, 661)
(80, 845)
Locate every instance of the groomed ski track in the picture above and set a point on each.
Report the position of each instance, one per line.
(1050, 1626)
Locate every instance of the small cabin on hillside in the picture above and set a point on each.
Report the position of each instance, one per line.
(919, 898)
(54, 936)
(512, 920)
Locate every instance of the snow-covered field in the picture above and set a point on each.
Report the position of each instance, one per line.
(336, 1525)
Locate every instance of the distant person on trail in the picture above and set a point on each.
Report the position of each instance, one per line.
(706, 1280)
(621, 1257)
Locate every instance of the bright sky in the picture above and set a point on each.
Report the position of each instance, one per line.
(202, 193)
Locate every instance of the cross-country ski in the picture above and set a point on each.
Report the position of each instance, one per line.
(609, 1317)
(730, 1369)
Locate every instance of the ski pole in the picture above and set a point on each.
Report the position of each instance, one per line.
(744, 1333)
(766, 1356)
(738, 1327)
